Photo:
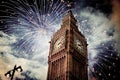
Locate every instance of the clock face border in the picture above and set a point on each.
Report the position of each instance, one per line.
(59, 43)
(79, 45)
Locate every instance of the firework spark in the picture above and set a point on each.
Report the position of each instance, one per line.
(32, 22)
(29, 21)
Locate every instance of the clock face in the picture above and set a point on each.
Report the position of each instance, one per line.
(79, 45)
(59, 43)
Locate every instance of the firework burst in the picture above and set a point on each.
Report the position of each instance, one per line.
(103, 56)
(31, 20)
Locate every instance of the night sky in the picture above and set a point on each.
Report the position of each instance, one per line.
(26, 27)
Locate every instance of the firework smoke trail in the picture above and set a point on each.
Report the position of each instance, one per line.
(103, 56)
(29, 21)
(107, 61)
(32, 22)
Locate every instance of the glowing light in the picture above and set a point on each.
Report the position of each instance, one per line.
(31, 21)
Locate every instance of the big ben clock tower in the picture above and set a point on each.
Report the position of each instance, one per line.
(67, 58)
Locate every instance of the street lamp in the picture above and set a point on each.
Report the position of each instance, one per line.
(12, 72)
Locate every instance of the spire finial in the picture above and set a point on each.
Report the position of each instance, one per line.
(69, 18)
(69, 11)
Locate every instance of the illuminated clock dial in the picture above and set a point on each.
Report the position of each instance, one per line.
(79, 45)
(58, 43)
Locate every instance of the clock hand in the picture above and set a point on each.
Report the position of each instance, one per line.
(59, 43)
(78, 44)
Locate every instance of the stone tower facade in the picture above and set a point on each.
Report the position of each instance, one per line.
(67, 58)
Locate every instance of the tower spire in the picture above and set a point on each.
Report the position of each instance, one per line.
(69, 20)
(69, 17)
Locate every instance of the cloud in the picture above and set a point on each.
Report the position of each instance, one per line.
(37, 69)
(116, 12)
(101, 33)
(115, 18)
(37, 65)
(6, 41)
(97, 28)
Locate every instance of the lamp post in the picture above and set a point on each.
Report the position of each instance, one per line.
(12, 72)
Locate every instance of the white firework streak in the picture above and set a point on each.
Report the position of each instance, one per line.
(101, 38)
(30, 22)
(33, 24)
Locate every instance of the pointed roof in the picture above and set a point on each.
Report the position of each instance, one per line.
(69, 17)
(70, 21)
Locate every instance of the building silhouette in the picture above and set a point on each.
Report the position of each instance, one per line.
(67, 58)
